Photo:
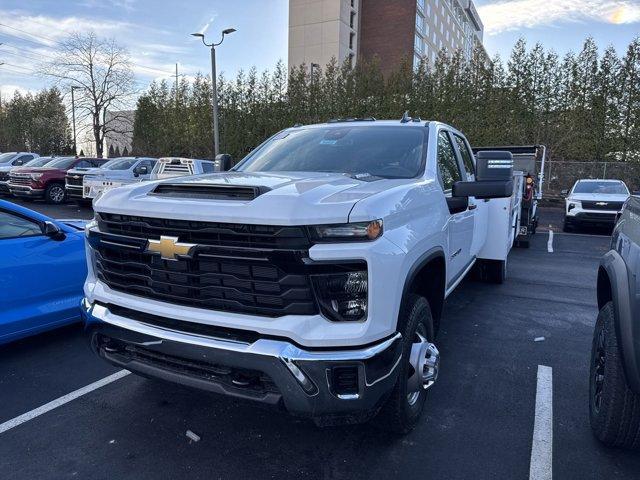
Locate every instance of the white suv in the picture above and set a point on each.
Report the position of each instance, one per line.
(594, 202)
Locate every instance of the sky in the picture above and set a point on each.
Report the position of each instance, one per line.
(156, 32)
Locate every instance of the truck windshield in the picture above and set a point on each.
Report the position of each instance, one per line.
(120, 164)
(601, 187)
(39, 162)
(5, 157)
(62, 163)
(384, 151)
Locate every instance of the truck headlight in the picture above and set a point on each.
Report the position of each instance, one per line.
(342, 296)
(573, 205)
(36, 176)
(347, 232)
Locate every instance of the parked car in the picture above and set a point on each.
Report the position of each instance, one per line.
(594, 202)
(115, 173)
(10, 160)
(168, 167)
(47, 182)
(313, 275)
(42, 268)
(614, 386)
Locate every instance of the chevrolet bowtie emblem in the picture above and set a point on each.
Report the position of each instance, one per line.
(169, 248)
(602, 204)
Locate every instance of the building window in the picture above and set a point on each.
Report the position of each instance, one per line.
(353, 3)
(420, 23)
(352, 20)
(421, 5)
(351, 57)
(416, 61)
(418, 44)
(352, 37)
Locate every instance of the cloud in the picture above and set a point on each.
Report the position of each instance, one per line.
(7, 91)
(508, 15)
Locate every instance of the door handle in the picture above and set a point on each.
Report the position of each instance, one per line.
(473, 206)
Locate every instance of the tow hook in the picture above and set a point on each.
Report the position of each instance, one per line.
(425, 360)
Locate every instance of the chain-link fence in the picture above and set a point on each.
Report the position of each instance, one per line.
(560, 175)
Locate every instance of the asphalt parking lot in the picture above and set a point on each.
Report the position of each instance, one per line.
(478, 423)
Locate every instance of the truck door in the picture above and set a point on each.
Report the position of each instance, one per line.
(481, 213)
(461, 219)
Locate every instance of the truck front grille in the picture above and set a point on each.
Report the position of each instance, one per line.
(611, 206)
(206, 233)
(225, 273)
(20, 180)
(74, 180)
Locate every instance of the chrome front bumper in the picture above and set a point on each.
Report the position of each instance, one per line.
(25, 190)
(269, 370)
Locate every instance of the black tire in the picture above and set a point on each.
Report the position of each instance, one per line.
(614, 410)
(53, 193)
(494, 271)
(398, 415)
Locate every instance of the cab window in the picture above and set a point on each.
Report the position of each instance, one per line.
(14, 226)
(448, 168)
(467, 158)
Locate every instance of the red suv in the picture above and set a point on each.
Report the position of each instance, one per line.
(48, 182)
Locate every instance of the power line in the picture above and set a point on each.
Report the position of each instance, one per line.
(28, 33)
(21, 55)
(18, 66)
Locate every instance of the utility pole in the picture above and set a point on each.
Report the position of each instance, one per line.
(214, 85)
(73, 116)
(176, 85)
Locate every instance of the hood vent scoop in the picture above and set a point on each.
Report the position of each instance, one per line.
(209, 191)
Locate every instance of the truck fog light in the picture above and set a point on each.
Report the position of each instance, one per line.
(572, 206)
(343, 296)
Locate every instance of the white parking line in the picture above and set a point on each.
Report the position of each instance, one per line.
(540, 467)
(550, 242)
(47, 407)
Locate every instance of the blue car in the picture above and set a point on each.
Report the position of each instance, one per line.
(42, 270)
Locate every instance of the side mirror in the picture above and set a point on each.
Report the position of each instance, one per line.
(564, 193)
(224, 162)
(494, 177)
(52, 231)
(483, 189)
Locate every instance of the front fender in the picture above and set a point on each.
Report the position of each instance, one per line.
(628, 334)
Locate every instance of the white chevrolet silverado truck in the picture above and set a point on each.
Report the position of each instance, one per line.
(311, 276)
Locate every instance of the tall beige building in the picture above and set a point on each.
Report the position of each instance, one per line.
(391, 30)
(322, 29)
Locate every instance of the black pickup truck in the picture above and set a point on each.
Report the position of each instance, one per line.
(614, 386)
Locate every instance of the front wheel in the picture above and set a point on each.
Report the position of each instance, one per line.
(614, 409)
(55, 193)
(418, 368)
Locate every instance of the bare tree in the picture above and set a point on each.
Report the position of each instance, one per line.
(102, 70)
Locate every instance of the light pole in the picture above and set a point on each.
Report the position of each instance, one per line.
(73, 116)
(214, 86)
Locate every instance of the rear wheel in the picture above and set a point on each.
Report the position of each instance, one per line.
(55, 193)
(418, 367)
(494, 271)
(614, 410)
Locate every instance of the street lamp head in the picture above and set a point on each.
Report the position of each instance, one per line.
(198, 34)
(228, 31)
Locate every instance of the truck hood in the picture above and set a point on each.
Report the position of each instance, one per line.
(101, 174)
(598, 197)
(289, 198)
(42, 170)
(84, 171)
